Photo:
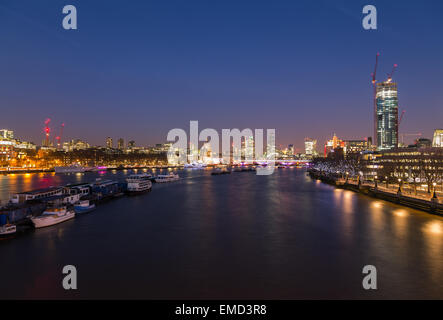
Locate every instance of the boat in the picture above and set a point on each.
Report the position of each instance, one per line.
(106, 189)
(7, 230)
(52, 216)
(69, 169)
(195, 165)
(139, 183)
(84, 206)
(162, 178)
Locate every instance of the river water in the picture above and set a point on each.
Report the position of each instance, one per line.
(245, 236)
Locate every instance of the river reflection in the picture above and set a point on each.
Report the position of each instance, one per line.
(230, 236)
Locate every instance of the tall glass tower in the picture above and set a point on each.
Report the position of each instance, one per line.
(387, 115)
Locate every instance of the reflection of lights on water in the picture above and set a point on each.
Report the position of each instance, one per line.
(103, 172)
(348, 194)
(400, 213)
(435, 227)
(376, 204)
(27, 175)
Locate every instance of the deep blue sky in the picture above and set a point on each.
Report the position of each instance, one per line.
(135, 69)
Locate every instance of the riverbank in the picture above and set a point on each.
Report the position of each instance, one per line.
(5, 171)
(430, 205)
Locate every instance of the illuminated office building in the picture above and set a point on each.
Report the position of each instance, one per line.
(109, 142)
(333, 144)
(291, 150)
(387, 115)
(6, 134)
(310, 147)
(120, 144)
(438, 138)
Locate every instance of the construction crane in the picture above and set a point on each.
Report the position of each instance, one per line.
(374, 85)
(392, 73)
(401, 117)
(47, 131)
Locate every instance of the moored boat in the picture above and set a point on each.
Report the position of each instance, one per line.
(7, 230)
(84, 206)
(139, 183)
(69, 169)
(52, 216)
(194, 165)
(166, 178)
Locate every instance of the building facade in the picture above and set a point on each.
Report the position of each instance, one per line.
(109, 142)
(6, 134)
(310, 147)
(387, 115)
(438, 138)
(120, 144)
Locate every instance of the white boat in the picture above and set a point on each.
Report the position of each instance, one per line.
(195, 165)
(166, 178)
(83, 206)
(52, 216)
(139, 183)
(69, 169)
(7, 230)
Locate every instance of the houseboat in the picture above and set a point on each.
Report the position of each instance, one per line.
(138, 183)
(38, 194)
(105, 189)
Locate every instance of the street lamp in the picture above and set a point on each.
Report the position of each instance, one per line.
(375, 181)
(435, 194)
(399, 185)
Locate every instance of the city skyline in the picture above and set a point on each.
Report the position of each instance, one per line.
(268, 81)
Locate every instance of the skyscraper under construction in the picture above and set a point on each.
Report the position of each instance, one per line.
(387, 115)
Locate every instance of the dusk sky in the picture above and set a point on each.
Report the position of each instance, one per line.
(136, 69)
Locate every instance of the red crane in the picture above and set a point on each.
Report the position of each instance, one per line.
(374, 85)
(401, 117)
(47, 131)
(392, 73)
